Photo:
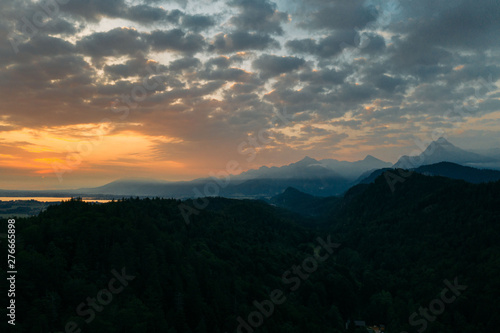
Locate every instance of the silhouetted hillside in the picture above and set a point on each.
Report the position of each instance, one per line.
(444, 169)
(456, 171)
(403, 244)
(305, 204)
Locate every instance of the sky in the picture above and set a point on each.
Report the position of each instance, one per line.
(96, 90)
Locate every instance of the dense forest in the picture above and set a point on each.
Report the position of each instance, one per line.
(424, 257)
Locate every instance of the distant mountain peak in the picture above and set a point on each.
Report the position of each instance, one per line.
(443, 140)
(308, 159)
(441, 145)
(440, 150)
(370, 158)
(444, 143)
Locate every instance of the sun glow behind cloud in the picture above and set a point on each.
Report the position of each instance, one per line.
(81, 148)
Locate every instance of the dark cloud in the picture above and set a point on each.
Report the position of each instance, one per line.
(326, 47)
(341, 15)
(220, 62)
(490, 105)
(147, 14)
(116, 42)
(433, 36)
(477, 70)
(270, 65)
(184, 63)
(196, 92)
(455, 24)
(418, 60)
(94, 10)
(134, 67)
(39, 73)
(258, 15)
(352, 94)
(241, 41)
(323, 77)
(388, 83)
(197, 22)
(312, 130)
(49, 85)
(62, 27)
(372, 43)
(228, 74)
(432, 93)
(176, 40)
(244, 88)
(47, 46)
(353, 124)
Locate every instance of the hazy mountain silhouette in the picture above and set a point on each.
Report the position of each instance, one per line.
(321, 178)
(442, 150)
(353, 170)
(311, 168)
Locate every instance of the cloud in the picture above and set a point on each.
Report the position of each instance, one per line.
(441, 32)
(125, 41)
(63, 27)
(47, 46)
(144, 13)
(94, 10)
(372, 43)
(37, 74)
(242, 41)
(184, 63)
(258, 16)
(325, 47)
(116, 42)
(338, 15)
(220, 62)
(408, 56)
(147, 14)
(270, 65)
(324, 76)
(388, 83)
(139, 66)
(197, 22)
(458, 24)
(176, 40)
(228, 74)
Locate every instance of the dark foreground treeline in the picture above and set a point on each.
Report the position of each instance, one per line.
(425, 257)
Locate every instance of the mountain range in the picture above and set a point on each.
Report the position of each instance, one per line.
(326, 177)
(310, 168)
(319, 177)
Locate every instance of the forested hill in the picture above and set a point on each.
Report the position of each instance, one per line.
(196, 277)
(396, 250)
(403, 244)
